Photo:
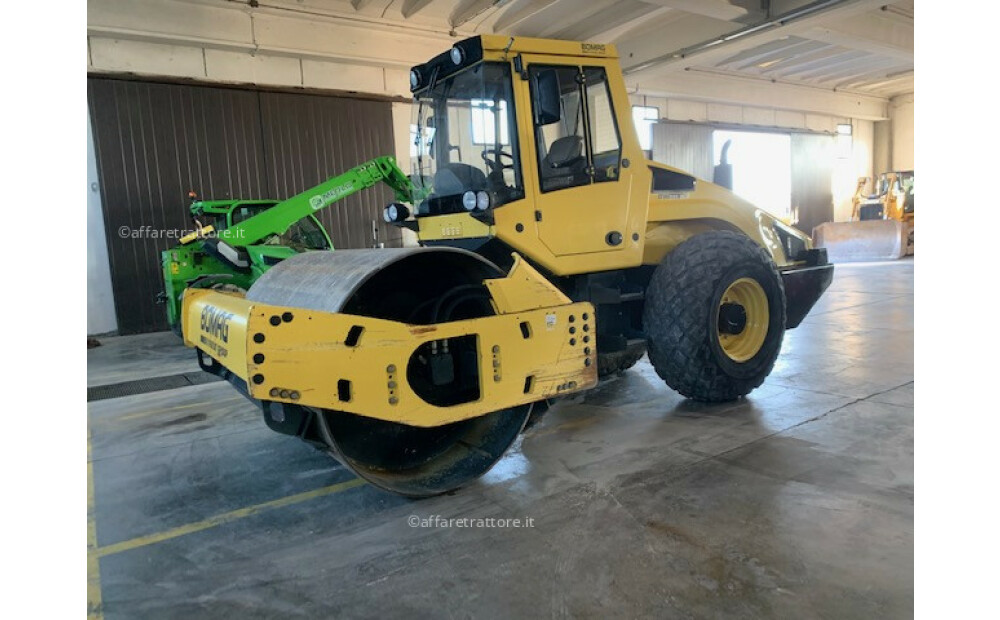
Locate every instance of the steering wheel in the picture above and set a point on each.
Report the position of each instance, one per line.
(498, 166)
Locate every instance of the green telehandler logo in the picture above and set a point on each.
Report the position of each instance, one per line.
(317, 201)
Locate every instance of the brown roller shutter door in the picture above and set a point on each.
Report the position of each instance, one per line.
(155, 142)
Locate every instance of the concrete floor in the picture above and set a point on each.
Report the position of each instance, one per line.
(795, 503)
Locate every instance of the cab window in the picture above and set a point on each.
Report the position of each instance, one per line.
(305, 234)
(606, 144)
(576, 137)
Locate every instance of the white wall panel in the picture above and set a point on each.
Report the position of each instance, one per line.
(147, 58)
(763, 117)
(189, 20)
(720, 113)
(227, 66)
(901, 114)
(683, 110)
(100, 297)
(791, 120)
(342, 76)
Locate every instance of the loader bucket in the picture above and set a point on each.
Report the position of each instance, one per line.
(417, 286)
(870, 240)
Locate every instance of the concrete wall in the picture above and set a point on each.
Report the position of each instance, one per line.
(882, 157)
(100, 300)
(750, 117)
(901, 116)
(847, 170)
(283, 44)
(401, 134)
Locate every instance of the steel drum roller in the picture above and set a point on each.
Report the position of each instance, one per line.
(411, 285)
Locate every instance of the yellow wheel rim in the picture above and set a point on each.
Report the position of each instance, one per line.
(742, 317)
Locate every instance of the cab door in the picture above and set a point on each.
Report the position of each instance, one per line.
(575, 154)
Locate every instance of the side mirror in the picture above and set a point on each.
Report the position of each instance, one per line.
(548, 108)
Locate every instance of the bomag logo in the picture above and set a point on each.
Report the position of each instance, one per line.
(593, 48)
(215, 322)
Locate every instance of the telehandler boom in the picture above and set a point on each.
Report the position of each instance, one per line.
(252, 235)
(552, 251)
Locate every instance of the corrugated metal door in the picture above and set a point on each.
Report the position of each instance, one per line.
(685, 146)
(310, 138)
(155, 142)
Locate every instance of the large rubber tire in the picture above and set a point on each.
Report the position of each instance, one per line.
(681, 316)
(619, 361)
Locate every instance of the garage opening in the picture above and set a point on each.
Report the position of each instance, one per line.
(762, 168)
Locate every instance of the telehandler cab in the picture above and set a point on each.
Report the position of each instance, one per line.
(551, 250)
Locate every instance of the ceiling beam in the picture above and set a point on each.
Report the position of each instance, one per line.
(777, 64)
(710, 86)
(469, 9)
(670, 60)
(678, 30)
(844, 57)
(787, 53)
(878, 82)
(518, 12)
(761, 51)
(615, 33)
(865, 34)
(412, 7)
(716, 9)
(847, 72)
(592, 27)
(554, 20)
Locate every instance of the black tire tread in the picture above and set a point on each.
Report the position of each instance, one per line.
(675, 315)
(619, 361)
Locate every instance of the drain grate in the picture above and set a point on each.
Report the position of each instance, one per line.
(153, 384)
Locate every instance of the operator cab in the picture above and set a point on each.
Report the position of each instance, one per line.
(305, 234)
(464, 141)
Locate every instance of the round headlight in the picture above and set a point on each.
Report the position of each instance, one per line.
(457, 55)
(469, 200)
(414, 78)
(482, 201)
(390, 213)
(395, 212)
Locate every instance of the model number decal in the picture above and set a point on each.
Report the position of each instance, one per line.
(317, 201)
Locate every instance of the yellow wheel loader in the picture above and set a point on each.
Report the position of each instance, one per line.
(551, 251)
(893, 200)
(881, 226)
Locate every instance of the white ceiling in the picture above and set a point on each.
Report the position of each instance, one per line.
(861, 47)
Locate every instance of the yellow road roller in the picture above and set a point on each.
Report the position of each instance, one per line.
(551, 252)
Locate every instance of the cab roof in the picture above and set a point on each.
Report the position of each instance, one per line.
(496, 47)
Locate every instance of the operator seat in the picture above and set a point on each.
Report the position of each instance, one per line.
(456, 178)
(564, 164)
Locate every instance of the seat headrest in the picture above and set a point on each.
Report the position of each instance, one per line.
(565, 150)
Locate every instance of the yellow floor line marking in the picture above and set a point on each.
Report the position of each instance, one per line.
(224, 518)
(95, 604)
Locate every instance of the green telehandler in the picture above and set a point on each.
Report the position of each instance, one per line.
(248, 237)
